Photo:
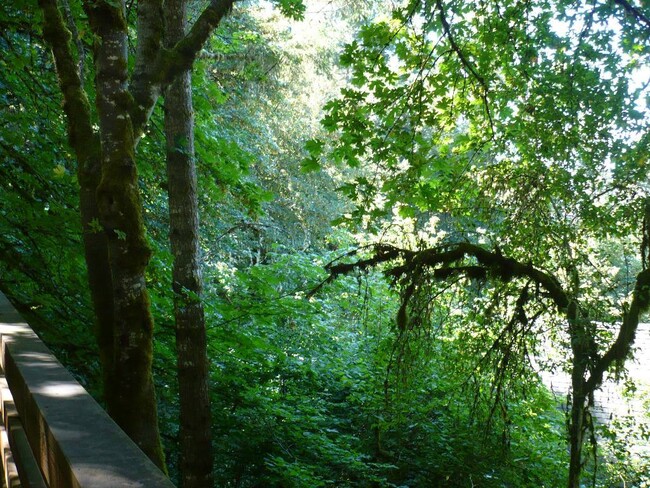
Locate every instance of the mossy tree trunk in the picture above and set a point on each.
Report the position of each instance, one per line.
(191, 343)
(100, 279)
(132, 403)
(584, 354)
(116, 249)
(576, 432)
(84, 141)
(578, 412)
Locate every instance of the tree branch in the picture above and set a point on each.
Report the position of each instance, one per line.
(493, 263)
(619, 350)
(382, 254)
(82, 137)
(634, 11)
(439, 258)
(184, 53)
(465, 62)
(159, 66)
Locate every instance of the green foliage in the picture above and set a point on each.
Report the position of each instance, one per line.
(623, 453)
(513, 116)
(41, 257)
(300, 392)
(294, 9)
(511, 126)
(548, 165)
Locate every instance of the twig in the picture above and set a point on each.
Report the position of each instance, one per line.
(634, 11)
(465, 62)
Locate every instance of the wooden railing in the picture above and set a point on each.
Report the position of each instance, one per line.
(53, 432)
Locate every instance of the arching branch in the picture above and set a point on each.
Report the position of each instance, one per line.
(449, 260)
(446, 260)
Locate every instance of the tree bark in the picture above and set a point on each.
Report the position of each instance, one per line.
(85, 143)
(576, 427)
(191, 344)
(100, 280)
(133, 403)
(583, 353)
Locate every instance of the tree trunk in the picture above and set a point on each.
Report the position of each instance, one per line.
(85, 143)
(116, 252)
(133, 403)
(576, 426)
(99, 272)
(191, 345)
(584, 352)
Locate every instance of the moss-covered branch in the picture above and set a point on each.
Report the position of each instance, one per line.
(157, 67)
(383, 254)
(441, 261)
(83, 139)
(619, 350)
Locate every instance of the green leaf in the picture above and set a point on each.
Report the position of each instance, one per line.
(294, 9)
(310, 165)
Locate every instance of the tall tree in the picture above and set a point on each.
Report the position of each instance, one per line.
(520, 125)
(118, 257)
(191, 342)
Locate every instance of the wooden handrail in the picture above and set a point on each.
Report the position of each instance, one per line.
(73, 442)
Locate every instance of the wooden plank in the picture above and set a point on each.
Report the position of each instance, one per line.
(10, 477)
(75, 443)
(22, 470)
